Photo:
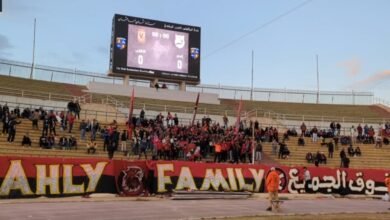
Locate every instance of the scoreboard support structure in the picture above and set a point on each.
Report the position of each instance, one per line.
(182, 86)
(126, 80)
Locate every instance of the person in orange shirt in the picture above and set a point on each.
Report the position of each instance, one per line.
(272, 184)
(387, 183)
(218, 149)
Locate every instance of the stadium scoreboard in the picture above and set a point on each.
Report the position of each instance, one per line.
(148, 49)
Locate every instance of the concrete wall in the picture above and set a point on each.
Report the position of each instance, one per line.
(151, 93)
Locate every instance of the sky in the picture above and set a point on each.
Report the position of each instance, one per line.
(351, 38)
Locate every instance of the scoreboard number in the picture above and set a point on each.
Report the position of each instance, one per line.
(140, 59)
(179, 64)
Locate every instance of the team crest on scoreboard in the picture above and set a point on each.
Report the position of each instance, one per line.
(141, 36)
(180, 41)
(121, 43)
(195, 53)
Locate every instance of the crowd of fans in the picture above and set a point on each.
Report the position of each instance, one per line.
(46, 121)
(171, 141)
(164, 138)
(9, 120)
(332, 137)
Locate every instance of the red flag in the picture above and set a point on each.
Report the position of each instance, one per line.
(195, 109)
(237, 128)
(130, 121)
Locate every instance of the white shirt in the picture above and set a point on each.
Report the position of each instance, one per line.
(306, 175)
(353, 131)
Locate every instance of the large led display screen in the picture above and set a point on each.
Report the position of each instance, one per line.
(149, 49)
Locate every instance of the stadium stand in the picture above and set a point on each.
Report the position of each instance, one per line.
(278, 110)
(371, 157)
(37, 88)
(105, 107)
(15, 148)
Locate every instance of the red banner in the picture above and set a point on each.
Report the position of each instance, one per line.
(226, 177)
(32, 177)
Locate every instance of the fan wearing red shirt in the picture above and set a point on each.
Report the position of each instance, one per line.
(71, 120)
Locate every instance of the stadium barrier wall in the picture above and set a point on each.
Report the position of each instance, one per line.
(28, 177)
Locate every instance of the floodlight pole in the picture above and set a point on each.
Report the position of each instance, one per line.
(253, 121)
(253, 142)
(252, 77)
(318, 81)
(33, 51)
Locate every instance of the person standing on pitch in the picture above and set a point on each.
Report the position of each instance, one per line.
(307, 179)
(387, 183)
(272, 184)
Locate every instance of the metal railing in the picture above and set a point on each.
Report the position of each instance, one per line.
(323, 119)
(380, 101)
(75, 76)
(104, 116)
(106, 99)
(109, 100)
(280, 121)
(36, 94)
